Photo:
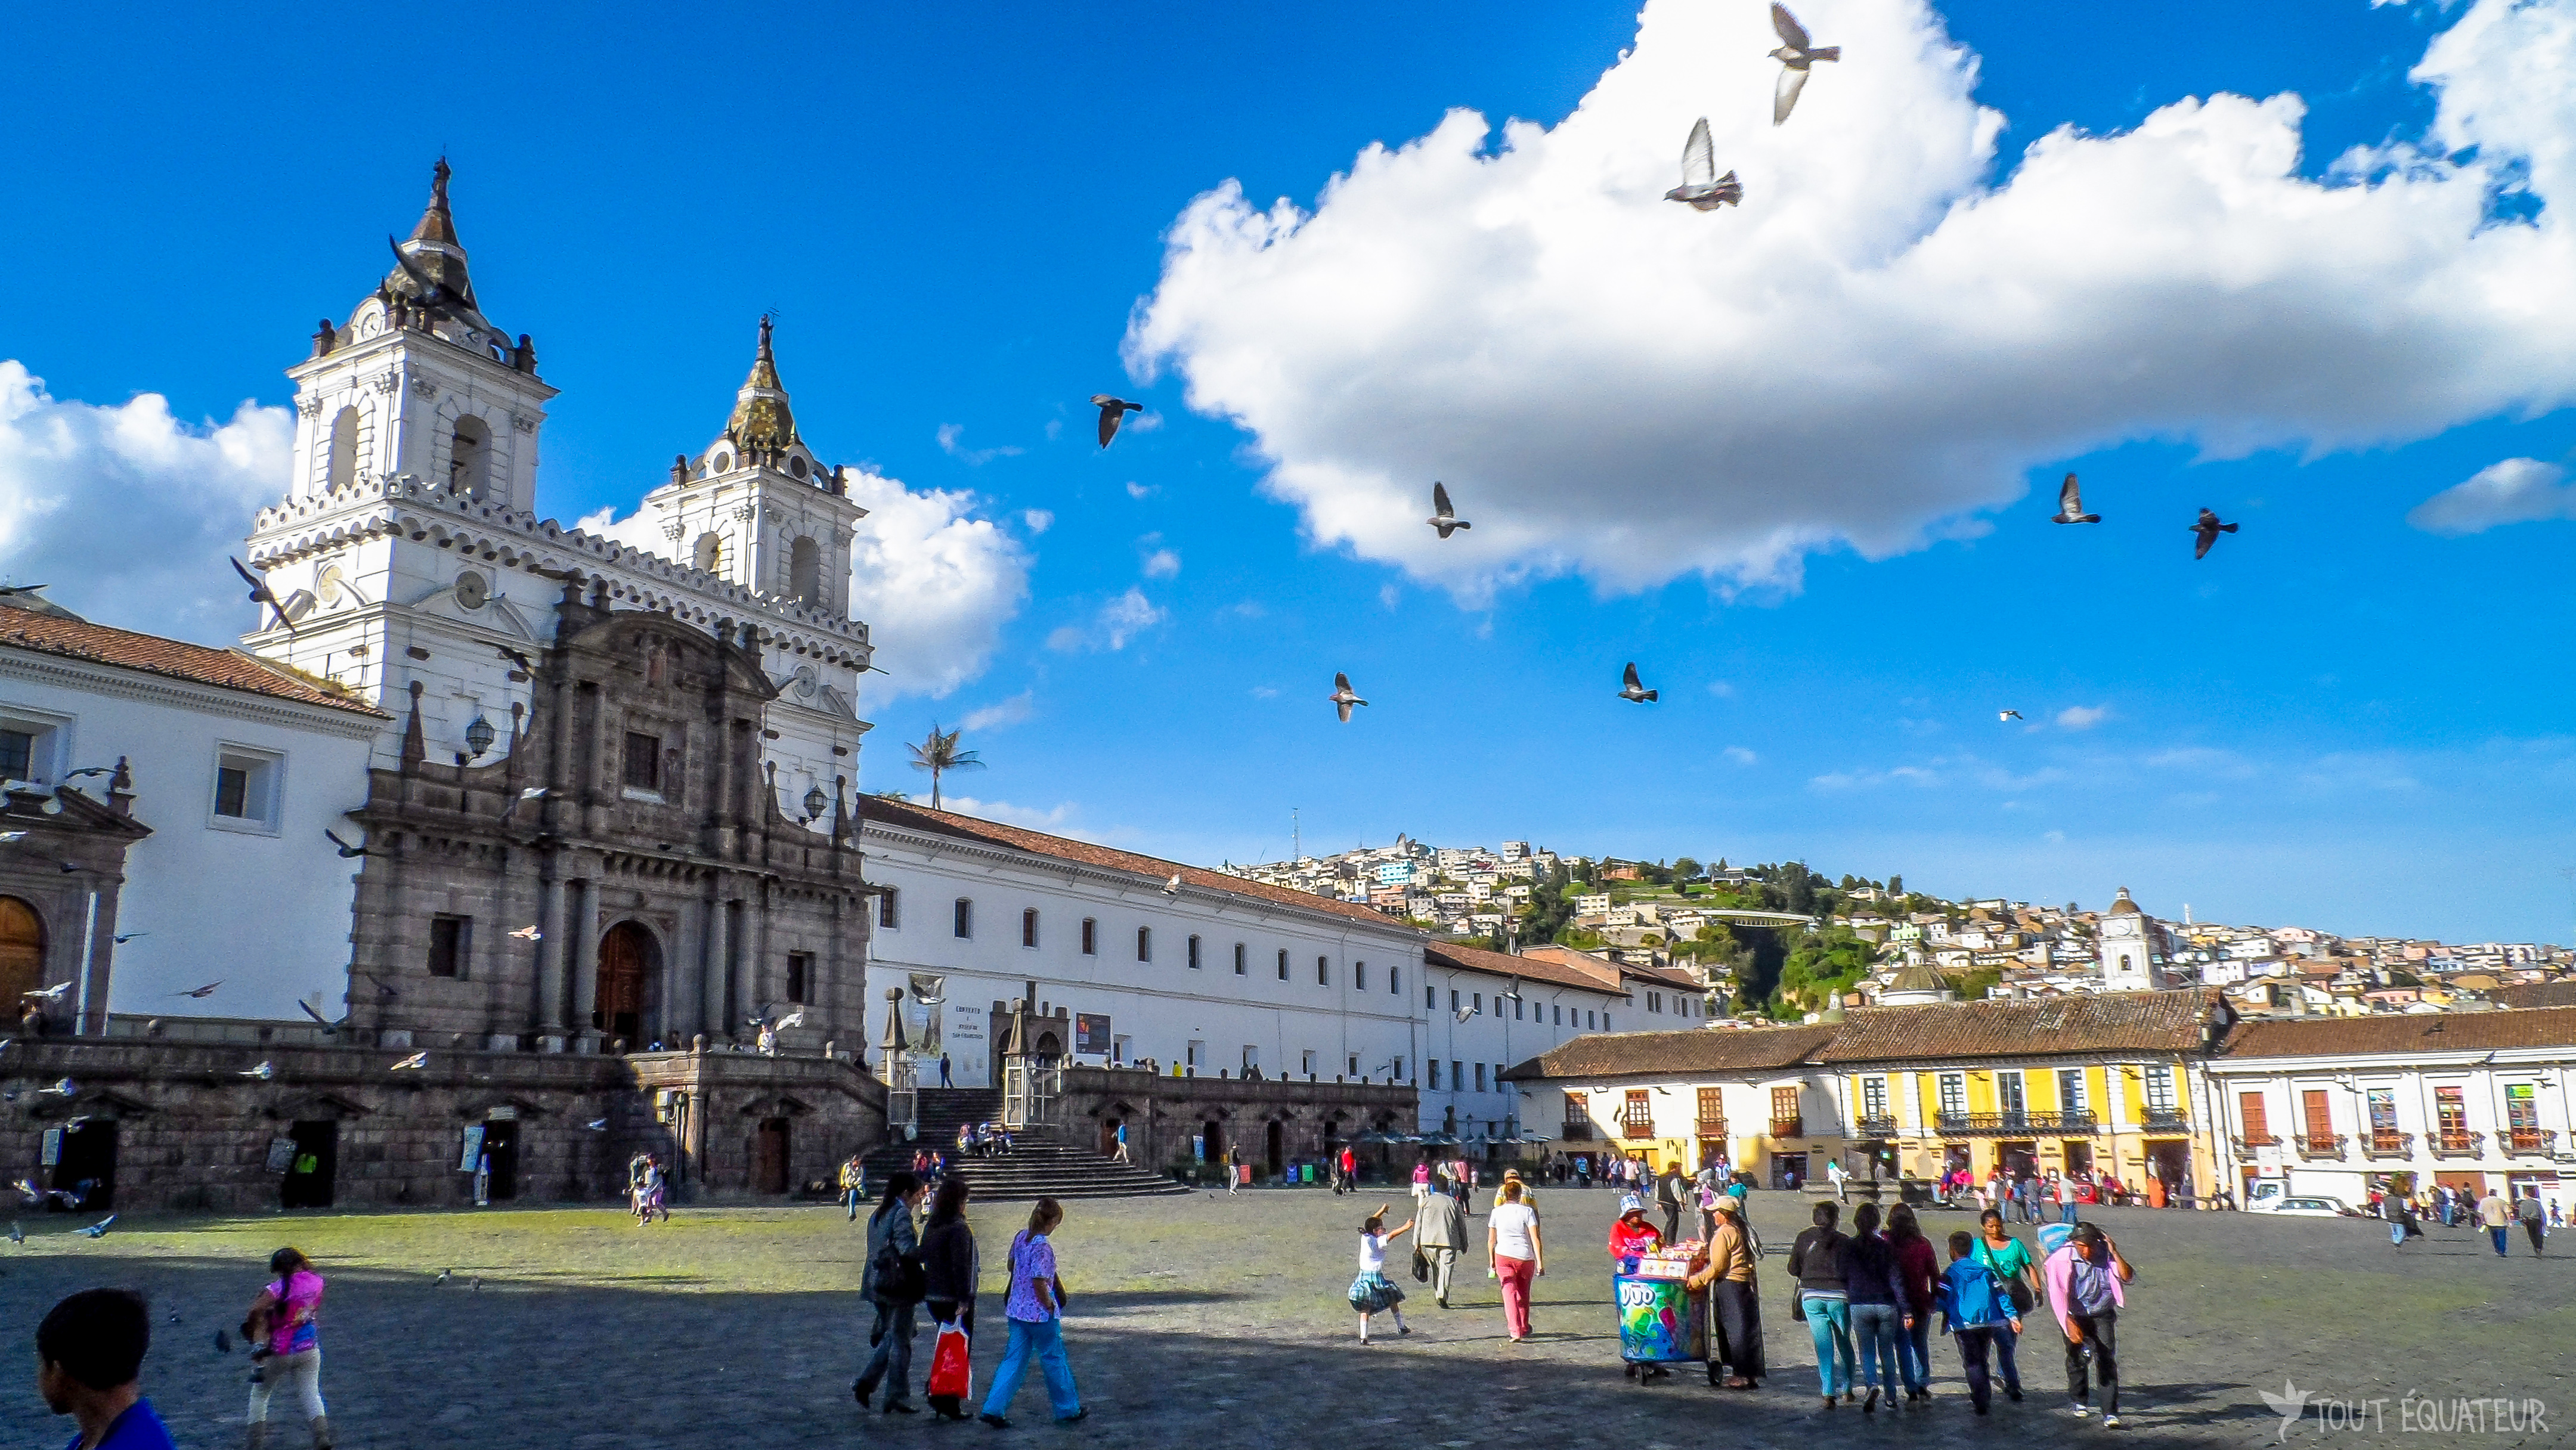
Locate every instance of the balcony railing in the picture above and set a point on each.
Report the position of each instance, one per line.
(1637, 1128)
(2388, 1145)
(1999, 1124)
(1578, 1131)
(2319, 1148)
(1789, 1127)
(2246, 1145)
(2532, 1143)
(1880, 1125)
(1711, 1127)
(2167, 1120)
(2458, 1145)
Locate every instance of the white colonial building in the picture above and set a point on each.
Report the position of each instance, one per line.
(1486, 1011)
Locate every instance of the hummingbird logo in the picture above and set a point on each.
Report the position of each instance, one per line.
(2289, 1404)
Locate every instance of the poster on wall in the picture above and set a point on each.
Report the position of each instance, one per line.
(473, 1148)
(1091, 1034)
(929, 993)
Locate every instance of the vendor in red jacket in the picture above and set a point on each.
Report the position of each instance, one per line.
(1632, 1238)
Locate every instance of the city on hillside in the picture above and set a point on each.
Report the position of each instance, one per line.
(1781, 942)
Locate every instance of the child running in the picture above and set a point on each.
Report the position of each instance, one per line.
(286, 1349)
(1372, 1292)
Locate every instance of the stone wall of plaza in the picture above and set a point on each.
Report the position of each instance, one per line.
(1271, 1121)
(175, 1125)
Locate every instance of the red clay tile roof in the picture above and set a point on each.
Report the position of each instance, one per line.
(172, 659)
(2535, 994)
(1528, 968)
(2076, 1022)
(882, 811)
(1677, 1054)
(2402, 1033)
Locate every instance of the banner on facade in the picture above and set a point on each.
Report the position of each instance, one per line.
(929, 991)
(1091, 1034)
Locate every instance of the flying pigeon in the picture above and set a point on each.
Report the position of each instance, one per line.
(1702, 188)
(1344, 697)
(1795, 54)
(12, 837)
(51, 994)
(64, 1088)
(516, 657)
(1632, 690)
(90, 770)
(1113, 411)
(98, 1230)
(597, 1125)
(264, 1072)
(121, 938)
(2003, 715)
(1466, 1012)
(2070, 505)
(6, 589)
(2208, 528)
(325, 1023)
(443, 1276)
(529, 933)
(347, 850)
(201, 993)
(534, 792)
(413, 1063)
(1443, 517)
(68, 866)
(1173, 886)
(431, 294)
(260, 593)
(28, 1190)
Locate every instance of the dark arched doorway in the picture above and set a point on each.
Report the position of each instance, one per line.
(22, 950)
(1275, 1154)
(628, 958)
(1212, 1141)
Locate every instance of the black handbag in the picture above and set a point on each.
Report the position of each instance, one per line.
(1421, 1266)
(1797, 1301)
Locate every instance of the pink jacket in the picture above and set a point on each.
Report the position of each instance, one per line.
(2057, 1274)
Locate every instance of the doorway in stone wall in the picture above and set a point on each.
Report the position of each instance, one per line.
(310, 1174)
(1275, 1147)
(22, 951)
(769, 1157)
(85, 1163)
(628, 957)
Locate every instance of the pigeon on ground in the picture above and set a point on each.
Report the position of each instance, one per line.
(2070, 505)
(98, 1230)
(260, 593)
(529, 933)
(1173, 886)
(413, 1063)
(443, 1276)
(1702, 188)
(2003, 715)
(478, 1283)
(201, 993)
(1443, 517)
(51, 993)
(1344, 697)
(2208, 528)
(17, 1233)
(264, 1072)
(1795, 54)
(1631, 689)
(1113, 411)
(347, 850)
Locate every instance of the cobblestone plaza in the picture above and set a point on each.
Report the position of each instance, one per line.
(1206, 1321)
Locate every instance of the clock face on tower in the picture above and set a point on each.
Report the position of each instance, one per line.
(2119, 927)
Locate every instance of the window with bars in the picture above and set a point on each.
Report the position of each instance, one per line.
(1144, 943)
(965, 923)
(800, 977)
(887, 916)
(1194, 953)
(1283, 964)
(1637, 1114)
(643, 761)
(2070, 1090)
(1873, 1097)
(1323, 971)
(1240, 957)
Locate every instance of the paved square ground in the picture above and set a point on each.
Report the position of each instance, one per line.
(1210, 1322)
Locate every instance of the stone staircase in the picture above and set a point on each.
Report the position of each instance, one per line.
(1040, 1164)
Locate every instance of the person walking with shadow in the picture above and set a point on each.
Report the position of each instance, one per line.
(894, 1283)
(2087, 1282)
(1035, 1307)
(2535, 1219)
(287, 1351)
(1440, 1231)
(950, 1269)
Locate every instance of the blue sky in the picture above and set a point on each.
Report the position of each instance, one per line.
(2340, 719)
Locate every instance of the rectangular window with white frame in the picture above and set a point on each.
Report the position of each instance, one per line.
(247, 789)
(31, 744)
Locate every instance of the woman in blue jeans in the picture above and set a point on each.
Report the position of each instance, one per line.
(1877, 1306)
(1816, 1262)
(1035, 1308)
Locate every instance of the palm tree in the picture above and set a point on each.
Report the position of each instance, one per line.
(939, 755)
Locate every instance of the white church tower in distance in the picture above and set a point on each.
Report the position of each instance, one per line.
(411, 564)
(2132, 949)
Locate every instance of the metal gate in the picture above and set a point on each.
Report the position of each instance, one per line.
(1030, 1086)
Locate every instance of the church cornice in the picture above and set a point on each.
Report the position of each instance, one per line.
(120, 683)
(407, 507)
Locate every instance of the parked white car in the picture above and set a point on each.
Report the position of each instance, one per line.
(2302, 1207)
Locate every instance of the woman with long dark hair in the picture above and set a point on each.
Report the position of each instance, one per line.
(892, 1283)
(1877, 1303)
(950, 1269)
(1816, 1262)
(1917, 1269)
(285, 1351)
(2010, 1258)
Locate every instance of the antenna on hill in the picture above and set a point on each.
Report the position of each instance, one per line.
(1296, 837)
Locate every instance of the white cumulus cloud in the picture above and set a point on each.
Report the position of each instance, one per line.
(1007, 712)
(933, 583)
(1162, 564)
(2516, 491)
(1119, 620)
(1886, 337)
(2083, 717)
(128, 512)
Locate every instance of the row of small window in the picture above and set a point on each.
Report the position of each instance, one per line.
(246, 781)
(1458, 1076)
(2012, 1093)
(1555, 1014)
(451, 954)
(962, 925)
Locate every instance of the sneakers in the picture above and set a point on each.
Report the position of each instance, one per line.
(2110, 1422)
(996, 1421)
(2012, 1394)
(2079, 1409)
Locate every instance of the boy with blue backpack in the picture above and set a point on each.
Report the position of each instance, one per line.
(1974, 1303)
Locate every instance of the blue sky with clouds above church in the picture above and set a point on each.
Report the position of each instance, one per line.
(2305, 264)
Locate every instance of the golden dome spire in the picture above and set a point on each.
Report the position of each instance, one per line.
(762, 423)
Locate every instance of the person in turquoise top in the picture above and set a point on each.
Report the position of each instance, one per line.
(2010, 1258)
(89, 1365)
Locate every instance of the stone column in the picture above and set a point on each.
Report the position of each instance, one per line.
(549, 1022)
(719, 946)
(581, 927)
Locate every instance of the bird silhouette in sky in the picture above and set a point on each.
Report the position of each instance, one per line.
(260, 593)
(1633, 690)
(346, 849)
(2070, 505)
(1795, 54)
(2002, 715)
(1344, 697)
(201, 993)
(1443, 517)
(2208, 528)
(1113, 411)
(1702, 188)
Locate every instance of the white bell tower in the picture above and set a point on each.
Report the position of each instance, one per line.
(2131, 960)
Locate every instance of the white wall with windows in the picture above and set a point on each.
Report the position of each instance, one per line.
(1202, 979)
(1486, 1012)
(236, 884)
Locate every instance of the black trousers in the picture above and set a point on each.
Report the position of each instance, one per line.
(1973, 1344)
(2537, 1229)
(2101, 1336)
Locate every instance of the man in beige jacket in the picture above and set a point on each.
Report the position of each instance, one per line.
(1440, 1231)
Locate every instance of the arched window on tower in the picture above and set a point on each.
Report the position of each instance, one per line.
(469, 463)
(708, 552)
(805, 570)
(344, 449)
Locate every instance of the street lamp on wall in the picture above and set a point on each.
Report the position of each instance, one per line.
(478, 737)
(815, 804)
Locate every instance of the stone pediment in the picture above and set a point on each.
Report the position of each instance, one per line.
(317, 1106)
(776, 1105)
(481, 1109)
(92, 1103)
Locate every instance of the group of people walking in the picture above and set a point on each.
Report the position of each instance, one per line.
(933, 1264)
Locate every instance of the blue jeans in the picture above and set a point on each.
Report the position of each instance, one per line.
(2497, 1236)
(2066, 1211)
(1043, 1340)
(1829, 1323)
(1877, 1327)
(2004, 1339)
(850, 1200)
(893, 1359)
(1914, 1352)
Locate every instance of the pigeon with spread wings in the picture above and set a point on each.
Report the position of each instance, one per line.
(2208, 528)
(1795, 54)
(260, 593)
(1344, 697)
(1113, 411)
(2070, 505)
(1634, 690)
(1443, 517)
(1702, 189)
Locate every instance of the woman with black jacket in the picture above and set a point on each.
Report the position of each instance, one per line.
(951, 1268)
(1876, 1302)
(1816, 1262)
